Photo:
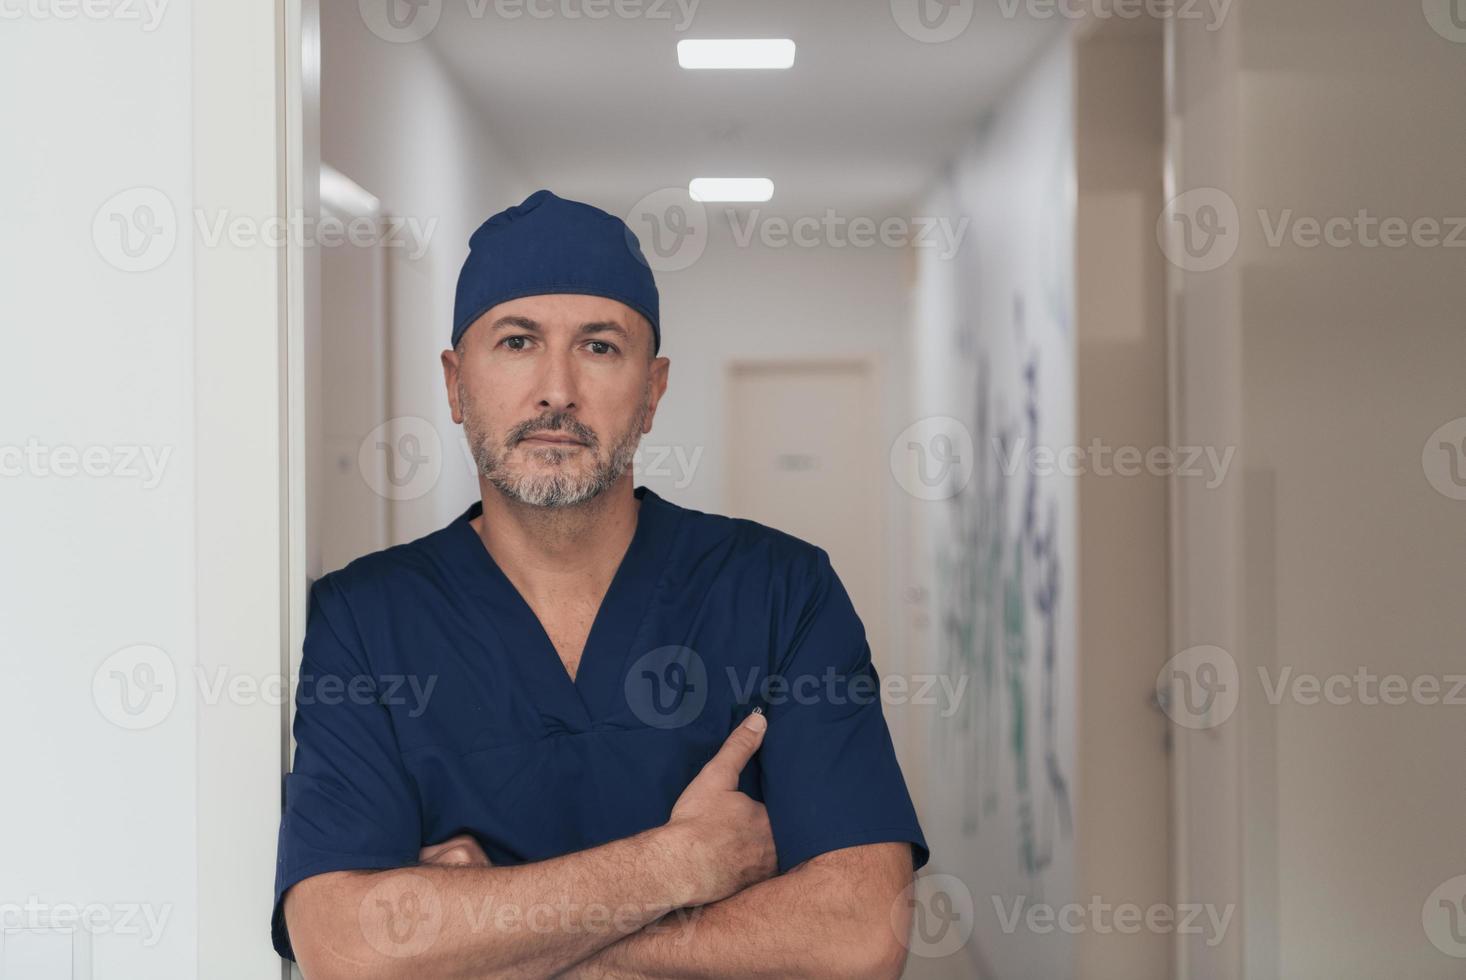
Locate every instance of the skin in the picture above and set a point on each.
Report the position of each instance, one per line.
(554, 392)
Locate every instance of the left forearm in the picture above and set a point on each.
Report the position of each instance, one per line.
(822, 919)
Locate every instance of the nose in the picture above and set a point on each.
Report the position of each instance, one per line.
(557, 383)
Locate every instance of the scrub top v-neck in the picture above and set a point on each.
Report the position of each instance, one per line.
(431, 702)
(571, 704)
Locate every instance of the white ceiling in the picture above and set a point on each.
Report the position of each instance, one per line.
(600, 110)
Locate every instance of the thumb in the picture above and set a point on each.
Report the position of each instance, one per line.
(738, 748)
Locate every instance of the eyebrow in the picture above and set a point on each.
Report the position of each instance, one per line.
(517, 322)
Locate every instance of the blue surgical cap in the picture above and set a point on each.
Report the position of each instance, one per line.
(550, 245)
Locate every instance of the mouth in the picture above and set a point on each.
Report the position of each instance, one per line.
(552, 440)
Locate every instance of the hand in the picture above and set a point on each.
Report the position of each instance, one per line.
(462, 850)
(732, 845)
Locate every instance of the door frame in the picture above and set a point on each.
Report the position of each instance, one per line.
(255, 89)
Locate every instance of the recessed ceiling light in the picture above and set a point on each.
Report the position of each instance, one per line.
(775, 52)
(731, 189)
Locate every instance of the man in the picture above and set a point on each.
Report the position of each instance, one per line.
(582, 731)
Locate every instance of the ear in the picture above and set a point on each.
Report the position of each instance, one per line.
(660, 369)
(450, 381)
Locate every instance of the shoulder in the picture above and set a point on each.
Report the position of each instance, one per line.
(786, 580)
(354, 610)
(748, 546)
(378, 575)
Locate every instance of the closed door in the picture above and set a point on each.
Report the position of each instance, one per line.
(806, 457)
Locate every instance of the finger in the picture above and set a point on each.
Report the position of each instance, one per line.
(463, 854)
(455, 855)
(463, 849)
(432, 855)
(737, 749)
(433, 850)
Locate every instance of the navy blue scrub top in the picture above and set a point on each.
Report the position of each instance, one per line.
(431, 702)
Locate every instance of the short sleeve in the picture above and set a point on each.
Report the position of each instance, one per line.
(829, 770)
(349, 802)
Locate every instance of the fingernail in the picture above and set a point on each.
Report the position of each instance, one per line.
(756, 721)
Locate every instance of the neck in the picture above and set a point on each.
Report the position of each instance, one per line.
(545, 547)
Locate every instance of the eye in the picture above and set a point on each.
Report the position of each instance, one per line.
(516, 342)
(602, 347)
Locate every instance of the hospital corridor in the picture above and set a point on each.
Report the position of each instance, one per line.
(938, 489)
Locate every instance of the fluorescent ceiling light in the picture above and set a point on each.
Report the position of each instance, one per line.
(774, 52)
(731, 189)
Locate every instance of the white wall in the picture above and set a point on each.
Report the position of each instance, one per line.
(993, 332)
(756, 302)
(114, 801)
(96, 356)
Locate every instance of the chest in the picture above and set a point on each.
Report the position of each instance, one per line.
(664, 647)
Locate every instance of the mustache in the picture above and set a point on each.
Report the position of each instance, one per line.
(556, 422)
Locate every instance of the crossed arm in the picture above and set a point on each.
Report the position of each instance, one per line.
(839, 914)
(694, 898)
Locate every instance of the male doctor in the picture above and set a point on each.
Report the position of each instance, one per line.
(641, 740)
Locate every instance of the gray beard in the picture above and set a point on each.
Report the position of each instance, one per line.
(554, 489)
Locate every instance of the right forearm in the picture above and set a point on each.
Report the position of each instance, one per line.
(529, 920)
